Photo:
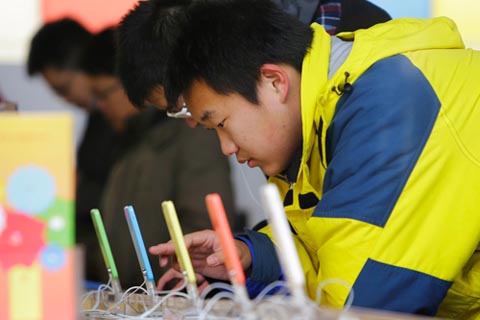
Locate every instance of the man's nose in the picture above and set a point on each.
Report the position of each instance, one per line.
(227, 144)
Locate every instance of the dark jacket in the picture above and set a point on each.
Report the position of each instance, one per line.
(353, 14)
(159, 159)
(94, 158)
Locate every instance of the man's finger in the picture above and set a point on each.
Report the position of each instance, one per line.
(167, 277)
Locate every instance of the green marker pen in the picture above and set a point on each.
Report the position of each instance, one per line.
(106, 251)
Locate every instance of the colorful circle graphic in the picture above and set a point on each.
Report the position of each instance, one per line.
(31, 190)
(52, 257)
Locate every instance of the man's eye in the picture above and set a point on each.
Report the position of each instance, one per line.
(221, 124)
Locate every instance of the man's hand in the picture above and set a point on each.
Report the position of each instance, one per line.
(205, 253)
(173, 274)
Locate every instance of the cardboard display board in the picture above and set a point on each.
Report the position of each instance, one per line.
(37, 278)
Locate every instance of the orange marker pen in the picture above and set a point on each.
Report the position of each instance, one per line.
(220, 223)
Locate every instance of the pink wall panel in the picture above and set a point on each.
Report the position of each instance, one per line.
(94, 14)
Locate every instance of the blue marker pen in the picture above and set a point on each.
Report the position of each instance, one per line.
(140, 249)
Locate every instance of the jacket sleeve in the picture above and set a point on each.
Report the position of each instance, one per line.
(266, 267)
(368, 227)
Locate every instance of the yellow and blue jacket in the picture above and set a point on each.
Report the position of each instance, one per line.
(385, 195)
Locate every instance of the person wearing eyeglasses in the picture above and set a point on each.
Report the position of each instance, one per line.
(157, 158)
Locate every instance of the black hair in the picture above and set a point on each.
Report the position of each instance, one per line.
(225, 42)
(99, 54)
(57, 44)
(145, 37)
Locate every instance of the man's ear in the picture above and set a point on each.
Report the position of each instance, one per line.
(277, 78)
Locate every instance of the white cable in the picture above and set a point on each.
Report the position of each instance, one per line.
(276, 284)
(250, 193)
(208, 307)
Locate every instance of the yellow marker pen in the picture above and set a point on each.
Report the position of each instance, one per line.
(181, 250)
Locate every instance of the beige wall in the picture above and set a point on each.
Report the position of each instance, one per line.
(18, 21)
(466, 13)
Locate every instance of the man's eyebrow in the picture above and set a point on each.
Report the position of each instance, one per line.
(206, 115)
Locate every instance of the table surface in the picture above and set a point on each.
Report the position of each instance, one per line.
(278, 308)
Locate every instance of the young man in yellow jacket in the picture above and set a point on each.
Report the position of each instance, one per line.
(371, 137)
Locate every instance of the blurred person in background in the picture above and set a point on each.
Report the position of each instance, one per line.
(336, 16)
(55, 54)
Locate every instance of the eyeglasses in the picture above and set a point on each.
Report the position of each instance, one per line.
(182, 114)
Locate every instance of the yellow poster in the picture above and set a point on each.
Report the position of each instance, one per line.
(36, 217)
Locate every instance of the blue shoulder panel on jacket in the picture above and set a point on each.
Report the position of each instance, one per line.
(414, 292)
(375, 139)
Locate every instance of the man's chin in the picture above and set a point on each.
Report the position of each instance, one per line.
(269, 171)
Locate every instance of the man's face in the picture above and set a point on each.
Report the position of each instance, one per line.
(264, 135)
(71, 85)
(112, 100)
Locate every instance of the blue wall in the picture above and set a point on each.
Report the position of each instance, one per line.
(405, 8)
